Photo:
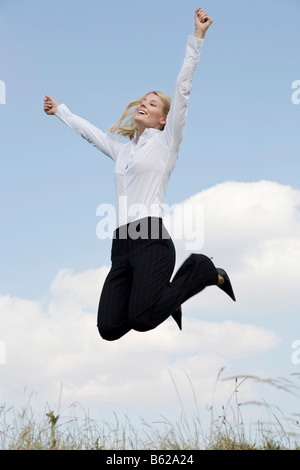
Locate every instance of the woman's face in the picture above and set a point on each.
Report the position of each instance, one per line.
(150, 112)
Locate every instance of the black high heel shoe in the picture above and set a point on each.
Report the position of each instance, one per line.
(226, 286)
(177, 315)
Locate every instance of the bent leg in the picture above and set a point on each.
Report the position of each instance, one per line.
(114, 300)
(196, 273)
(156, 298)
(153, 268)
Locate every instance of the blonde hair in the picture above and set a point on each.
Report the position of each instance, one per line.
(128, 127)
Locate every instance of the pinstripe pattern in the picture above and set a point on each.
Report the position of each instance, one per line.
(137, 293)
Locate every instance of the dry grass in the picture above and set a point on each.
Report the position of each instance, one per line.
(24, 430)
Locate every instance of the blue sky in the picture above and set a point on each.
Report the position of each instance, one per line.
(97, 56)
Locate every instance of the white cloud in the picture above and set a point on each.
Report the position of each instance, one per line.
(61, 344)
(252, 229)
(240, 216)
(82, 288)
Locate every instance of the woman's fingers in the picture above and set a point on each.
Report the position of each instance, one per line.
(203, 16)
(48, 99)
(202, 23)
(48, 104)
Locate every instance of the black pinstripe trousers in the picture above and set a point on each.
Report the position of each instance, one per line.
(138, 292)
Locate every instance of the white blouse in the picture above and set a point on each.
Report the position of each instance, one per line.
(143, 168)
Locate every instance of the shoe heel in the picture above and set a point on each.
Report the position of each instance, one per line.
(226, 286)
(177, 315)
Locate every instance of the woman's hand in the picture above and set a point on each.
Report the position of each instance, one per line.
(202, 23)
(50, 105)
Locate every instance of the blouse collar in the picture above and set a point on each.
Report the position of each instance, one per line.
(147, 134)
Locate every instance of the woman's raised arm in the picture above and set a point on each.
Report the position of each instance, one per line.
(88, 131)
(174, 128)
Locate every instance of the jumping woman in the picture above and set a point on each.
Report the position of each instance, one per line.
(138, 292)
